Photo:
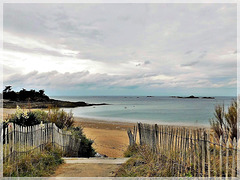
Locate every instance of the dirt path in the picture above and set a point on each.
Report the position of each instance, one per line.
(89, 167)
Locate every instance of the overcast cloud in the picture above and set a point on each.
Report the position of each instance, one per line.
(121, 48)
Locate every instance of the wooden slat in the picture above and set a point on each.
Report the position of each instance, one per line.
(227, 154)
(233, 157)
(220, 154)
(203, 154)
(208, 154)
(198, 151)
(194, 153)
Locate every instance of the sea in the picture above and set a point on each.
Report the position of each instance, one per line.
(153, 110)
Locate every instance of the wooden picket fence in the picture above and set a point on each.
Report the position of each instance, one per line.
(193, 151)
(19, 140)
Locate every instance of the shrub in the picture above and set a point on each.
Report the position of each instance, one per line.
(34, 164)
(86, 149)
(131, 150)
(30, 118)
(60, 118)
(225, 124)
(145, 163)
(25, 118)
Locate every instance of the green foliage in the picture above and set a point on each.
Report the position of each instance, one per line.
(225, 123)
(131, 150)
(30, 118)
(24, 95)
(189, 174)
(86, 149)
(145, 163)
(60, 118)
(40, 115)
(27, 118)
(34, 164)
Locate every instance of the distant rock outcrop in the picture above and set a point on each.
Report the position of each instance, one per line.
(208, 97)
(192, 97)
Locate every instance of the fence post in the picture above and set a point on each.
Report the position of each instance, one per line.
(178, 152)
(157, 137)
(176, 140)
(227, 149)
(140, 133)
(233, 157)
(203, 153)
(190, 149)
(208, 154)
(52, 136)
(181, 153)
(185, 149)
(194, 152)
(198, 151)
(161, 139)
(220, 154)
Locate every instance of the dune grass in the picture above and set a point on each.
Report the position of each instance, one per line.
(146, 163)
(34, 164)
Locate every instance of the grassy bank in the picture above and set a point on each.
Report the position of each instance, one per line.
(144, 163)
(34, 164)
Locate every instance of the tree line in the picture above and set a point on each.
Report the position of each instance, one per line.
(24, 95)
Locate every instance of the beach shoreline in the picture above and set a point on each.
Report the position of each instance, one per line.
(110, 137)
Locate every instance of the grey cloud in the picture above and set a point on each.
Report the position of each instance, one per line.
(190, 64)
(147, 62)
(95, 31)
(84, 78)
(143, 63)
(203, 54)
(157, 32)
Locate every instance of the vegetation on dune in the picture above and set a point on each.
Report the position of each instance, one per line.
(86, 149)
(145, 163)
(37, 164)
(34, 164)
(225, 123)
(30, 118)
(62, 119)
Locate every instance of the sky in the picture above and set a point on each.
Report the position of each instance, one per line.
(121, 49)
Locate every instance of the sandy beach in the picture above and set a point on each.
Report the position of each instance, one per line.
(110, 138)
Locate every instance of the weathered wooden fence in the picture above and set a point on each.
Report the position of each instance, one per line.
(19, 140)
(190, 150)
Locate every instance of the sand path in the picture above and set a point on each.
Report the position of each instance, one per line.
(89, 167)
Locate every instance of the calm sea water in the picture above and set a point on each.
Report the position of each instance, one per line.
(160, 110)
